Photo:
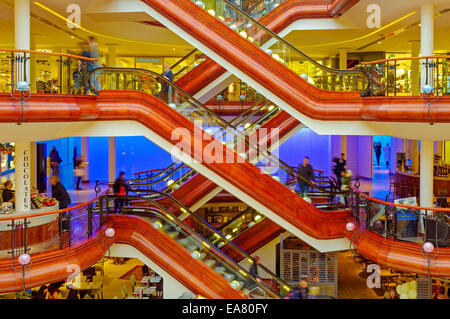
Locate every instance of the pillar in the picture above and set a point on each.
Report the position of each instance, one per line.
(85, 154)
(22, 173)
(344, 145)
(22, 32)
(415, 156)
(111, 159)
(426, 173)
(33, 165)
(427, 39)
(342, 59)
(112, 55)
(415, 68)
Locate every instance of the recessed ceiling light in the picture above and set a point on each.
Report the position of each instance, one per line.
(72, 37)
(379, 42)
(173, 49)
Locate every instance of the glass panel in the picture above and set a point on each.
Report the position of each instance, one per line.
(199, 244)
(282, 51)
(244, 145)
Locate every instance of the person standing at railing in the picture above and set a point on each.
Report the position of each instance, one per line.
(306, 171)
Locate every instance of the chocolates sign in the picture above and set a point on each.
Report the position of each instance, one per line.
(26, 179)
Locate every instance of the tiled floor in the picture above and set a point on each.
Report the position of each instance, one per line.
(378, 187)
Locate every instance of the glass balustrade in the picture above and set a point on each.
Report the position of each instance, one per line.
(400, 222)
(307, 68)
(245, 146)
(206, 244)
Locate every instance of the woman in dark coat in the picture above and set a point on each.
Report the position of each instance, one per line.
(59, 192)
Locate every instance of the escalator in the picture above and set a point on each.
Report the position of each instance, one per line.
(323, 230)
(161, 218)
(216, 277)
(258, 56)
(228, 163)
(193, 75)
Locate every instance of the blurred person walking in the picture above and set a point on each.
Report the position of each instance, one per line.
(305, 170)
(55, 160)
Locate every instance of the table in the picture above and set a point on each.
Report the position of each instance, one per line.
(95, 286)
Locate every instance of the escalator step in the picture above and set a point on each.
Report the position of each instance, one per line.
(228, 276)
(173, 234)
(219, 269)
(210, 262)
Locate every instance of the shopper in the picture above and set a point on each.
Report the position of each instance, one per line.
(92, 65)
(8, 193)
(442, 294)
(301, 291)
(377, 148)
(59, 192)
(391, 294)
(345, 186)
(41, 293)
(254, 269)
(305, 170)
(340, 165)
(53, 291)
(55, 160)
(166, 89)
(80, 170)
(387, 154)
(120, 188)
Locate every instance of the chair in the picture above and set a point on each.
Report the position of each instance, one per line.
(124, 292)
(133, 281)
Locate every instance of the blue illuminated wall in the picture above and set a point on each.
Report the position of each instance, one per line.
(307, 143)
(137, 154)
(65, 147)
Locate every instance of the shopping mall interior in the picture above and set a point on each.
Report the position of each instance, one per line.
(225, 149)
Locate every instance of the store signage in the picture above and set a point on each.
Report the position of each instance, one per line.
(26, 179)
(149, 60)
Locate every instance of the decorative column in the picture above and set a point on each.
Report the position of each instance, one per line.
(426, 173)
(22, 33)
(111, 159)
(427, 39)
(112, 54)
(85, 154)
(343, 59)
(22, 173)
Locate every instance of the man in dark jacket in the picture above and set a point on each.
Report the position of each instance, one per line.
(305, 170)
(59, 192)
(55, 160)
(339, 167)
